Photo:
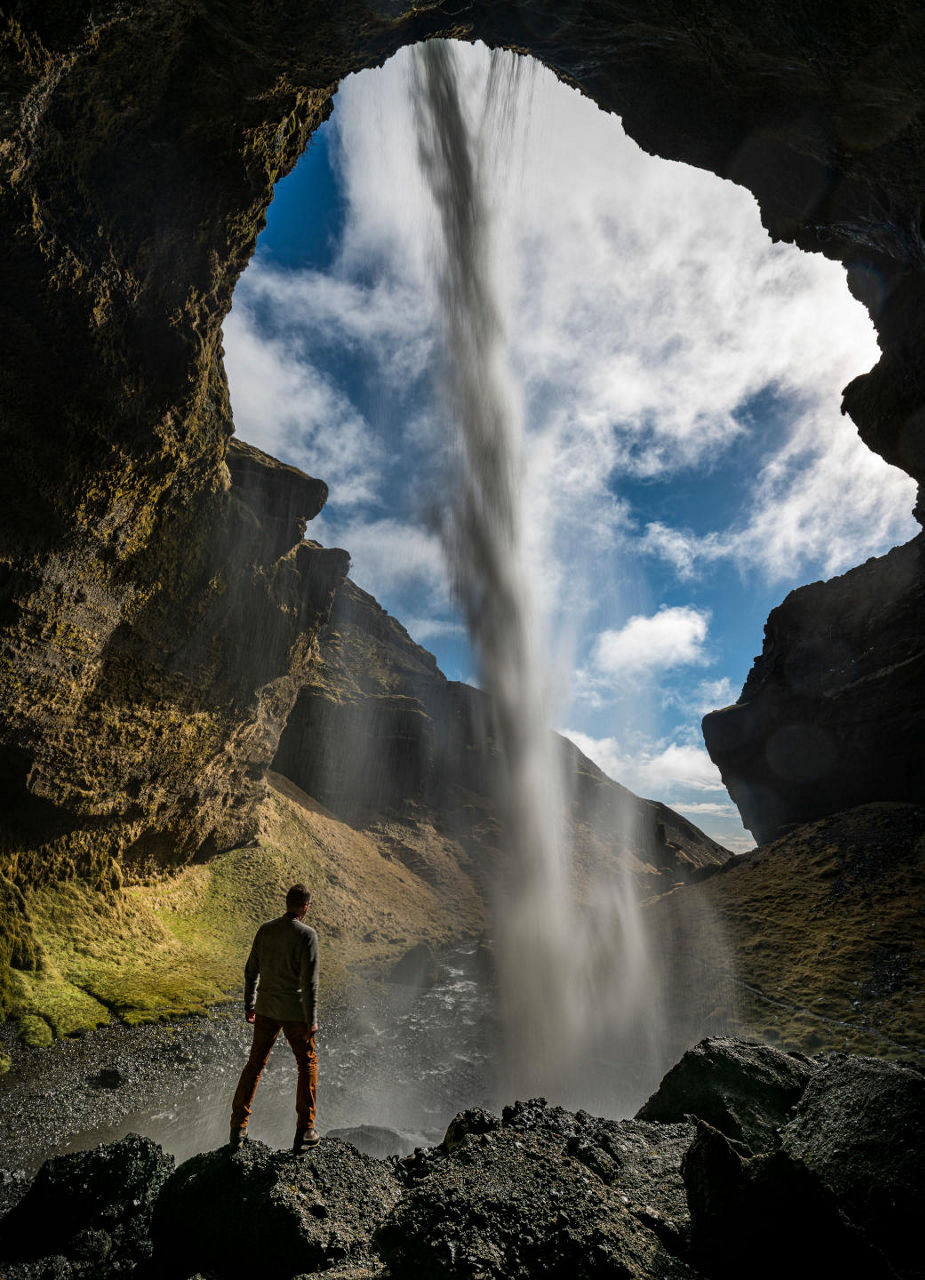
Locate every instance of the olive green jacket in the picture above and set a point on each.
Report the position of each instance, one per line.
(281, 974)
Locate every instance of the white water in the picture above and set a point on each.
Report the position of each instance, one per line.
(573, 986)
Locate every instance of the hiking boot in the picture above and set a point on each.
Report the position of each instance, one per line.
(304, 1140)
(237, 1139)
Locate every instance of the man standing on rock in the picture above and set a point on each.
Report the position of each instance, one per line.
(281, 991)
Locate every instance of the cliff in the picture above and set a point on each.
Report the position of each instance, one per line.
(377, 730)
(154, 625)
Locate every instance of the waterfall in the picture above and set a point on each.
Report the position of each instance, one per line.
(561, 977)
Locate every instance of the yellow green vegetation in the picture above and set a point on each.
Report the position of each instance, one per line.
(814, 942)
(175, 945)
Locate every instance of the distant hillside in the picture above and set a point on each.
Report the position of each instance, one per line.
(824, 930)
(378, 732)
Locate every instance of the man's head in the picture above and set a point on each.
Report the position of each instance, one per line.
(298, 900)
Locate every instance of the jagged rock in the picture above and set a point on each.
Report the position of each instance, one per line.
(769, 1215)
(513, 1204)
(860, 1129)
(92, 1207)
(831, 715)
(257, 1212)
(747, 1091)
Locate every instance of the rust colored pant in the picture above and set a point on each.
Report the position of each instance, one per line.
(302, 1043)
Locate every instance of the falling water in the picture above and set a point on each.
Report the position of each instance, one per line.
(485, 545)
(556, 972)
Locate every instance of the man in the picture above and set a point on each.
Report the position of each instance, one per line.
(281, 991)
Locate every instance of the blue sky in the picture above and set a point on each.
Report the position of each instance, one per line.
(686, 461)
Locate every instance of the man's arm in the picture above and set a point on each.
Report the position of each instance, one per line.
(251, 979)
(309, 979)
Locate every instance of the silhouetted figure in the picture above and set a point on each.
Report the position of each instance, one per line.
(281, 992)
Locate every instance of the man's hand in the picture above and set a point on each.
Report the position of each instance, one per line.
(249, 1015)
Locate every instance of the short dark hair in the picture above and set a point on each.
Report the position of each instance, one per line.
(297, 897)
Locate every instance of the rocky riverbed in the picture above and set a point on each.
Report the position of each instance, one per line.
(746, 1160)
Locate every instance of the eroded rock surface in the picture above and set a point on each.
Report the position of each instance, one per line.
(747, 1091)
(91, 1207)
(268, 1213)
(832, 714)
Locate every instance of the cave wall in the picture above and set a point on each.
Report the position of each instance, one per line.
(154, 623)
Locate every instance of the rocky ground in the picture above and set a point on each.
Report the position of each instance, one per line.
(747, 1160)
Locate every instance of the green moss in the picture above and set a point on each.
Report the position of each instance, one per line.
(34, 1031)
(172, 947)
(5, 1063)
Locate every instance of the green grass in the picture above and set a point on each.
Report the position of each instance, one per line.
(174, 946)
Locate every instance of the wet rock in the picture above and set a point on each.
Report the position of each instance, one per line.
(771, 1214)
(513, 1204)
(93, 1207)
(744, 1090)
(373, 1140)
(417, 968)
(257, 1212)
(860, 1128)
(108, 1078)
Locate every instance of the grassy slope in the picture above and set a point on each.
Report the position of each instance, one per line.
(823, 930)
(168, 948)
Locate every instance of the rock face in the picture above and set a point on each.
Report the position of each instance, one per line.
(832, 714)
(378, 729)
(268, 1213)
(535, 1192)
(92, 1207)
(150, 643)
(746, 1091)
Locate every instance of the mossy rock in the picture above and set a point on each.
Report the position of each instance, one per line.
(34, 1031)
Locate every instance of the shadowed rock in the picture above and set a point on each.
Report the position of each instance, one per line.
(768, 1217)
(92, 1206)
(860, 1129)
(257, 1212)
(746, 1091)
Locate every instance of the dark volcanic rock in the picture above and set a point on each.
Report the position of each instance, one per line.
(93, 1207)
(257, 1212)
(511, 1204)
(746, 1091)
(860, 1128)
(771, 1216)
(832, 714)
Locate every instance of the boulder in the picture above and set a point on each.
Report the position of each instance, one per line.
(92, 1207)
(744, 1090)
(258, 1212)
(769, 1216)
(860, 1128)
(512, 1204)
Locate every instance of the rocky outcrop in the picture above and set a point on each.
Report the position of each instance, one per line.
(377, 730)
(538, 1191)
(88, 1213)
(746, 1091)
(261, 1212)
(832, 713)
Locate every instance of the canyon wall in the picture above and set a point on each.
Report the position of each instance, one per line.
(156, 610)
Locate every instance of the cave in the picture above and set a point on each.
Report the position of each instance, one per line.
(160, 610)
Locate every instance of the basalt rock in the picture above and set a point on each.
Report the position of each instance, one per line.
(832, 713)
(399, 737)
(90, 1207)
(745, 1091)
(860, 1129)
(269, 1213)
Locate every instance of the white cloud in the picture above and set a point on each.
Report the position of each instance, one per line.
(672, 637)
(656, 770)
